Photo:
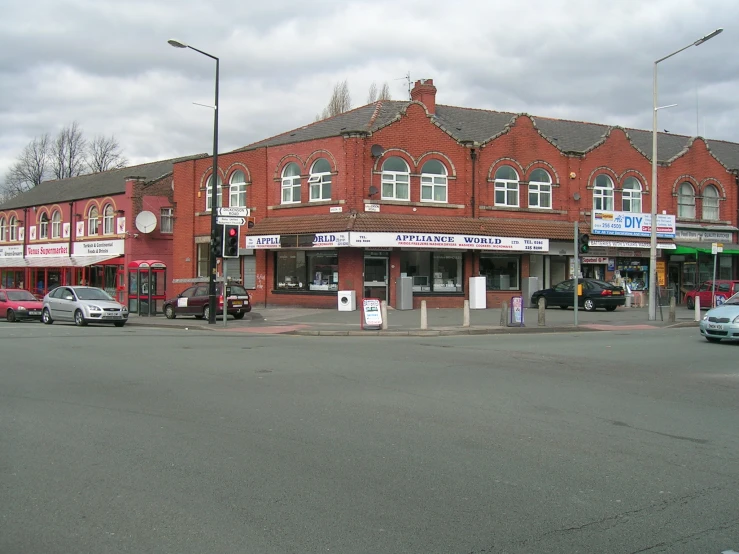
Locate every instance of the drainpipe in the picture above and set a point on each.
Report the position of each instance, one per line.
(26, 272)
(473, 155)
(71, 229)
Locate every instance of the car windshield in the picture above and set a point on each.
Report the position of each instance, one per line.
(20, 295)
(234, 290)
(733, 300)
(92, 294)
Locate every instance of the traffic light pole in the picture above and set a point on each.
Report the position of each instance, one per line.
(223, 291)
(576, 268)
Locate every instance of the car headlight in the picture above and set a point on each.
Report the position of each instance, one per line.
(95, 308)
(705, 317)
(22, 308)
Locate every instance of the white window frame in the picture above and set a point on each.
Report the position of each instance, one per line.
(394, 180)
(237, 190)
(603, 193)
(711, 212)
(540, 190)
(320, 183)
(290, 188)
(631, 196)
(3, 229)
(508, 188)
(13, 228)
(208, 192)
(56, 224)
(431, 183)
(93, 221)
(686, 202)
(43, 226)
(108, 219)
(166, 221)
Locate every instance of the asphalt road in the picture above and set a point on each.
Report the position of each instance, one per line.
(171, 441)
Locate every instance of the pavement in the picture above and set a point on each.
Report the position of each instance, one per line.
(441, 322)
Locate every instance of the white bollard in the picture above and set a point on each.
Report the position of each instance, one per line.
(383, 312)
(466, 321)
(697, 308)
(424, 316)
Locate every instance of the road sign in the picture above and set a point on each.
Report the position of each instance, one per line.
(231, 221)
(717, 247)
(234, 211)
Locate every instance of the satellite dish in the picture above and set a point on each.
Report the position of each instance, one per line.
(146, 222)
(373, 190)
(377, 150)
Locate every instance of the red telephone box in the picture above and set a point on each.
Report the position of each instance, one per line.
(147, 280)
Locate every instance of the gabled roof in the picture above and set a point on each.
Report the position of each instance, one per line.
(106, 183)
(462, 124)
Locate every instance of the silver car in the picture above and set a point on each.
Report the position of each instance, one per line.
(82, 305)
(722, 322)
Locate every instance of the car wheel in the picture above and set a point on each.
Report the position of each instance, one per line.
(79, 319)
(589, 305)
(169, 311)
(611, 308)
(239, 315)
(119, 323)
(206, 313)
(10, 316)
(690, 303)
(713, 339)
(46, 317)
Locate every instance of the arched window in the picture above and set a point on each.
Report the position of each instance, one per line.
(320, 180)
(108, 219)
(433, 182)
(686, 201)
(93, 221)
(43, 226)
(603, 193)
(13, 228)
(395, 179)
(631, 195)
(506, 187)
(56, 225)
(540, 189)
(237, 189)
(291, 184)
(3, 230)
(710, 203)
(209, 192)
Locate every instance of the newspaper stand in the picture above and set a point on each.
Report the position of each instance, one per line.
(516, 312)
(370, 314)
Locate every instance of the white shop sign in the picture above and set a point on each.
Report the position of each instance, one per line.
(631, 224)
(703, 236)
(263, 242)
(47, 250)
(11, 251)
(272, 242)
(629, 244)
(99, 248)
(473, 242)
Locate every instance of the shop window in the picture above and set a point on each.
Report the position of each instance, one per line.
(603, 193)
(395, 179)
(3, 230)
(93, 221)
(209, 193)
(237, 190)
(506, 187)
(320, 181)
(433, 271)
(291, 184)
(500, 272)
(301, 270)
(108, 219)
(686, 201)
(631, 195)
(433, 182)
(540, 189)
(710, 203)
(13, 226)
(43, 226)
(166, 220)
(203, 253)
(56, 225)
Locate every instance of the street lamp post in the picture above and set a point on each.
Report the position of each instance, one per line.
(653, 227)
(212, 306)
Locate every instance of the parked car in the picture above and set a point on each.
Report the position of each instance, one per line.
(82, 305)
(725, 288)
(722, 322)
(17, 304)
(595, 294)
(194, 302)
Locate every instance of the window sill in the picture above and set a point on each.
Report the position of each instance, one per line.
(307, 204)
(524, 210)
(416, 204)
(307, 292)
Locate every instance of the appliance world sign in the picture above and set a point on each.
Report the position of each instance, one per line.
(631, 224)
(466, 242)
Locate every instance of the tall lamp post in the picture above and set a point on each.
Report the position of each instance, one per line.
(653, 232)
(212, 306)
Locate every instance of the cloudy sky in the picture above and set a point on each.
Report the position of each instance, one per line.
(107, 65)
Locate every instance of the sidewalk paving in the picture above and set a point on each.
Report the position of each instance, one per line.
(441, 322)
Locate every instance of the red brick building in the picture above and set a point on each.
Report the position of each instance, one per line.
(440, 194)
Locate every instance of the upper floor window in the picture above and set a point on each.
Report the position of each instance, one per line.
(237, 190)
(13, 225)
(209, 193)
(43, 226)
(320, 180)
(506, 187)
(93, 221)
(686, 201)
(56, 224)
(603, 193)
(710, 203)
(395, 179)
(540, 189)
(3, 230)
(433, 182)
(291, 184)
(631, 195)
(108, 219)
(166, 224)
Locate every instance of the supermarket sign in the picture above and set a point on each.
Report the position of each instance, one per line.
(631, 224)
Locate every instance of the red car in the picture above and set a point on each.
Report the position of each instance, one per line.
(194, 302)
(724, 290)
(17, 304)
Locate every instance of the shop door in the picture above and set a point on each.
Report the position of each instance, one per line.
(120, 286)
(375, 278)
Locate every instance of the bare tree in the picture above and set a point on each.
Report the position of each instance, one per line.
(384, 92)
(104, 153)
(340, 102)
(29, 169)
(372, 95)
(68, 152)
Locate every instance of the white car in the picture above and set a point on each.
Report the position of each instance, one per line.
(722, 322)
(82, 305)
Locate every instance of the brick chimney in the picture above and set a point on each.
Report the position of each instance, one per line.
(425, 92)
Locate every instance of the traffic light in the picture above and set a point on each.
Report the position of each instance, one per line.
(216, 241)
(250, 221)
(231, 241)
(584, 243)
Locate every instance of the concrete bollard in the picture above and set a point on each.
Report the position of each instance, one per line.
(542, 312)
(503, 313)
(466, 317)
(383, 312)
(672, 317)
(424, 316)
(697, 308)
